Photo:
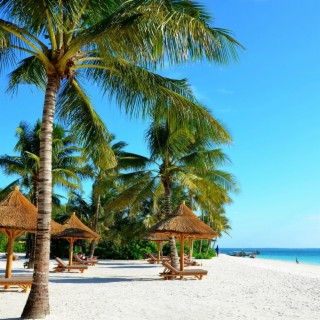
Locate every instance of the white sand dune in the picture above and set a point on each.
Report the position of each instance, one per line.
(235, 288)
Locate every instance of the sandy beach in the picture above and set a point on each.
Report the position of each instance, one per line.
(235, 288)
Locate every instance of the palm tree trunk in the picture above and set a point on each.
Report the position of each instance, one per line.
(95, 226)
(209, 246)
(167, 205)
(174, 253)
(200, 247)
(32, 251)
(37, 306)
(202, 219)
(33, 236)
(191, 200)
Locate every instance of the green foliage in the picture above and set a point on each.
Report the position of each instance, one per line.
(3, 242)
(203, 254)
(132, 250)
(18, 246)
(210, 255)
(59, 248)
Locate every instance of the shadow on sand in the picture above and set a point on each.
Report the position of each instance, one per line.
(113, 263)
(100, 280)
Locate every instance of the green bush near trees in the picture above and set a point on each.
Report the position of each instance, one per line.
(108, 249)
(133, 250)
(18, 247)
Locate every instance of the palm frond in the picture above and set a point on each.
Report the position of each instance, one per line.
(29, 71)
(74, 107)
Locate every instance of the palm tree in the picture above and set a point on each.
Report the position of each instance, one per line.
(179, 159)
(110, 43)
(105, 179)
(219, 222)
(67, 168)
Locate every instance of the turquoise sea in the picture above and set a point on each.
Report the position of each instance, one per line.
(308, 255)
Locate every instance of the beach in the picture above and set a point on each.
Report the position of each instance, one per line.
(235, 288)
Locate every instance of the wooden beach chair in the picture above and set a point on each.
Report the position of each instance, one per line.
(88, 262)
(188, 263)
(24, 282)
(63, 266)
(152, 259)
(170, 272)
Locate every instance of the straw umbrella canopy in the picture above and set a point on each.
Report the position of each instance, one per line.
(158, 238)
(73, 230)
(18, 215)
(183, 224)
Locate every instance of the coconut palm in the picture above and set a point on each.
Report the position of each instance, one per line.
(105, 180)
(67, 167)
(219, 222)
(109, 43)
(179, 159)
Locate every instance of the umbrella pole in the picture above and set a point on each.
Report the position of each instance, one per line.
(9, 257)
(190, 248)
(181, 253)
(159, 247)
(70, 251)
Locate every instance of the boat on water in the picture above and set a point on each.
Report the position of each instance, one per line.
(242, 253)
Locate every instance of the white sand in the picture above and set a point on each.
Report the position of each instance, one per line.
(235, 288)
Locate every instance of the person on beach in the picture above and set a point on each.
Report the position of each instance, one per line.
(217, 251)
(297, 261)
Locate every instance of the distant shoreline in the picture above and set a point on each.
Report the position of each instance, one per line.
(302, 255)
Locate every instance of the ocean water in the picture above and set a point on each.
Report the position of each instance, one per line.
(308, 255)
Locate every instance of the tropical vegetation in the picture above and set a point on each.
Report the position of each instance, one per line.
(117, 45)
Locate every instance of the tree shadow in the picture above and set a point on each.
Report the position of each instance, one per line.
(107, 263)
(100, 280)
(130, 267)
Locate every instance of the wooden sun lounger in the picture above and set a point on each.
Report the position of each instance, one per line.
(89, 262)
(188, 263)
(152, 259)
(63, 266)
(170, 272)
(23, 282)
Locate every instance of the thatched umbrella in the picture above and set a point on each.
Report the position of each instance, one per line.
(18, 215)
(183, 224)
(158, 238)
(74, 229)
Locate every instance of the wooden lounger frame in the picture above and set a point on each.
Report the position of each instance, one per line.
(63, 266)
(152, 259)
(24, 282)
(170, 272)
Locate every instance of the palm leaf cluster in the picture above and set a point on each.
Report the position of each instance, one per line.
(68, 167)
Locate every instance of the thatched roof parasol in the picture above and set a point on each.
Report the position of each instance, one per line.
(17, 215)
(74, 229)
(183, 224)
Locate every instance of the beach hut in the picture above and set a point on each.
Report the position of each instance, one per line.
(158, 238)
(18, 215)
(183, 224)
(73, 230)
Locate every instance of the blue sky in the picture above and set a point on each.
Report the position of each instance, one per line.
(269, 101)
